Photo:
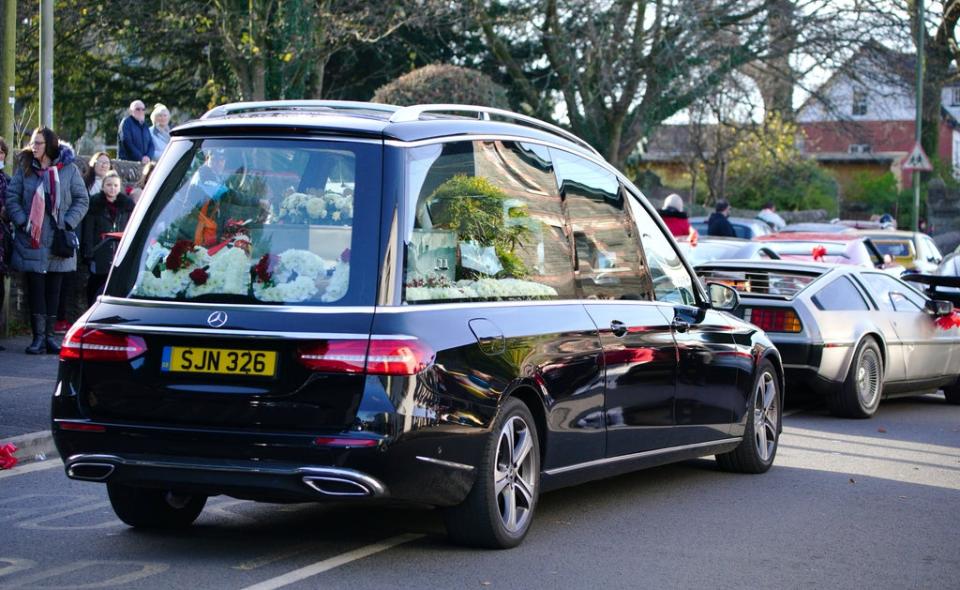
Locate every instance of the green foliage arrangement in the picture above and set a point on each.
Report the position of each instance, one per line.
(767, 165)
(438, 83)
(474, 208)
(870, 193)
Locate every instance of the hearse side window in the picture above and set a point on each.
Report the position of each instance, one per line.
(840, 295)
(487, 224)
(607, 260)
(671, 281)
(258, 220)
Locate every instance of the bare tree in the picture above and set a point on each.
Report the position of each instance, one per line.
(300, 37)
(618, 68)
(718, 124)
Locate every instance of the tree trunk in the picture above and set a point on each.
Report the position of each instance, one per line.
(258, 71)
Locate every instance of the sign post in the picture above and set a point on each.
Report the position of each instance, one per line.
(921, 32)
(917, 160)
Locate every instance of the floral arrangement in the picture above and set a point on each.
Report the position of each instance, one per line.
(339, 279)
(168, 270)
(438, 288)
(291, 276)
(228, 272)
(316, 207)
(186, 270)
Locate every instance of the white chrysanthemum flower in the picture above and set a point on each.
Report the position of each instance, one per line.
(228, 274)
(337, 287)
(316, 206)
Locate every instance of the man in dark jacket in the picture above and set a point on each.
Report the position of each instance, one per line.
(718, 224)
(134, 141)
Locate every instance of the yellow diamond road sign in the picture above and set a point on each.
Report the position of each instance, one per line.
(917, 160)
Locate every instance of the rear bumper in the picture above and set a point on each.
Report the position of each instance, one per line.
(430, 466)
(250, 478)
(820, 367)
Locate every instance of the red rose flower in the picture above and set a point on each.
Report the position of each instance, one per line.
(264, 268)
(177, 258)
(199, 276)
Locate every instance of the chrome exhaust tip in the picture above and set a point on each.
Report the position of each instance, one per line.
(90, 471)
(337, 486)
(339, 482)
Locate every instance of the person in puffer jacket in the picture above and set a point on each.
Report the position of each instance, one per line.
(46, 193)
(674, 216)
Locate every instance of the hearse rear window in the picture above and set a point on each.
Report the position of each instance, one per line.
(254, 220)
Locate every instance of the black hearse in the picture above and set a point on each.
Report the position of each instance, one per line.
(447, 305)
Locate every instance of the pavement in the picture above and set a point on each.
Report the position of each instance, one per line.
(26, 384)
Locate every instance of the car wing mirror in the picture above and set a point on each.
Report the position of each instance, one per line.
(723, 297)
(938, 307)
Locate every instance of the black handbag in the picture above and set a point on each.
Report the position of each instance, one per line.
(65, 243)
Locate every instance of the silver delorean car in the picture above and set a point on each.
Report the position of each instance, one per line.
(853, 334)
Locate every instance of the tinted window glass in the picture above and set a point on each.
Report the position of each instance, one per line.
(671, 281)
(256, 220)
(607, 253)
(903, 303)
(885, 290)
(487, 224)
(840, 295)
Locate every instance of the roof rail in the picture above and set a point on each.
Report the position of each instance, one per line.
(413, 113)
(296, 105)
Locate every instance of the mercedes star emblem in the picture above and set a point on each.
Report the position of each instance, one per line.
(217, 319)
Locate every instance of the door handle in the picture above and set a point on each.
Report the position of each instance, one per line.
(680, 325)
(618, 328)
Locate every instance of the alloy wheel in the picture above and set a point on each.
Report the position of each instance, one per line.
(868, 378)
(766, 417)
(514, 476)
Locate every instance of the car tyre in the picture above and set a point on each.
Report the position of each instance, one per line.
(952, 393)
(499, 509)
(153, 508)
(758, 449)
(859, 395)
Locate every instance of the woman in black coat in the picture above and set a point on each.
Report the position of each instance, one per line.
(109, 213)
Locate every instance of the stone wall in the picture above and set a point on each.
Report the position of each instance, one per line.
(76, 302)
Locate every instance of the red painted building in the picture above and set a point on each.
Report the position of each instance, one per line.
(862, 118)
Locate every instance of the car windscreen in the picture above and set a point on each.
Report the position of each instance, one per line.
(893, 248)
(253, 220)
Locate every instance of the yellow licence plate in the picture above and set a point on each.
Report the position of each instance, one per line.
(220, 361)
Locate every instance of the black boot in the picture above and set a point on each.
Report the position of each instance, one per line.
(38, 324)
(52, 341)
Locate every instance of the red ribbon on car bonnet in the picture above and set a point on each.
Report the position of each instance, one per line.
(819, 252)
(948, 322)
(7, 460)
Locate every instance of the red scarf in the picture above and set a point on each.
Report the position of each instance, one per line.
(38, 205)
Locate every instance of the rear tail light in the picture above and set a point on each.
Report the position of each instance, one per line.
(773, 319)
(375, 357)
(85, 344)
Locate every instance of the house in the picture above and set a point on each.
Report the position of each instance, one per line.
(862, 118)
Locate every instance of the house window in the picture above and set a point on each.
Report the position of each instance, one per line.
(859, 148)
(859, 103)
(955, 96)
(956, 154)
